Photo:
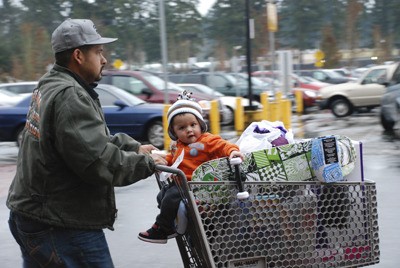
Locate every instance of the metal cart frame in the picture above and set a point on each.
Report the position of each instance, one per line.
(281, 224)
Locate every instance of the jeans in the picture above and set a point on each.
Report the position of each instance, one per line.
(43, 245)
(168, 201)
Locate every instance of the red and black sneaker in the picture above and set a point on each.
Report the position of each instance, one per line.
(156, 235)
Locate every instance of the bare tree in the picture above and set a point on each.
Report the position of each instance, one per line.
(354, 9)
(330, 48)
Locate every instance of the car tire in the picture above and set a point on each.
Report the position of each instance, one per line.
(341, 108)
(386, 124)
(155, 134)
(229, 115)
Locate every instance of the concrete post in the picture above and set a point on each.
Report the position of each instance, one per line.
(278, 97)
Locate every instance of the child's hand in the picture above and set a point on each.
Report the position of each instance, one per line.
(236, 154)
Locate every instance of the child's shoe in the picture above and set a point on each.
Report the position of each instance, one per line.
(156, 235)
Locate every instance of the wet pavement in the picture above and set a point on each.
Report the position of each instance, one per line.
(137, 205)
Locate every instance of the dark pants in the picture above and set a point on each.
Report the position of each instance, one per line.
(168, 201)
(43, 245)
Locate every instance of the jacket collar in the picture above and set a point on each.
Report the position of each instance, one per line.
(88, 87)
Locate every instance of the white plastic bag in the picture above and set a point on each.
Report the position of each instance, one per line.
(264, 135)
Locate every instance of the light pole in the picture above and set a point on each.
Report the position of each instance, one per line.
(250, 34)
(272, 28)
(164, 55)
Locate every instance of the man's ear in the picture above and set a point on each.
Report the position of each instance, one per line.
(78, 55)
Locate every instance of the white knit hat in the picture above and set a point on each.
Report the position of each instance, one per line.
(185, 104)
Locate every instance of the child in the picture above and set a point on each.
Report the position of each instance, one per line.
(193, 147)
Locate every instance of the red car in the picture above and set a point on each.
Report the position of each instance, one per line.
(307, 85)
(151, 88)
(145, 85)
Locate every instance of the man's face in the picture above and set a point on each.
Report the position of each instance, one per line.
(93, 63)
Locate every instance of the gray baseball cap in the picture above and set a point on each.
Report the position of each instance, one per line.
(73, 33)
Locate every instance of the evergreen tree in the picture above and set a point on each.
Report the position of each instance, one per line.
(25, 29)
(300, 23)
(226, 25)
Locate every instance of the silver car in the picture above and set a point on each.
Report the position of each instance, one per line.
(390, 103)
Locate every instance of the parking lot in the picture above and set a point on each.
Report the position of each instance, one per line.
(137, 205)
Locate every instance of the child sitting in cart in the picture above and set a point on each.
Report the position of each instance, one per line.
(193, 146)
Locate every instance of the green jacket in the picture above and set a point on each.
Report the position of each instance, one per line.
(68, 164)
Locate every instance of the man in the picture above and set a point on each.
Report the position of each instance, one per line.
(62, 196)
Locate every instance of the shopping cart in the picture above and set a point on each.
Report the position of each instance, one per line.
(280, 224)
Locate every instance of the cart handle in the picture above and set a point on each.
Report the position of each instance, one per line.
(242, 194)
(170, 170)
(181, 175)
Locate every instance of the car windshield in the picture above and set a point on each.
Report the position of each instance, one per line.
(121, 94)
(8, 93)
(175, 87)
(202, 89)
(333, 74)
(310, 79)
(301, 79)
(254, 80)
(231, 79)
(154, 80)
(160, 83)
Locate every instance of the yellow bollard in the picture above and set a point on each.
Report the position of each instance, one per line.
(239, 116)
(287, 113)
(167, 139)
(274, 111)
(265, 103)
(299, 102)
(214, 118)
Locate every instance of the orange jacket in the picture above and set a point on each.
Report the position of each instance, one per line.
(207, 147)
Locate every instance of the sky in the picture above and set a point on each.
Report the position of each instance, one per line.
(204, 5)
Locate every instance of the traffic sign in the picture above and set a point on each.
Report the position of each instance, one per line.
(118, 63)
(319, 58)
(319, 55)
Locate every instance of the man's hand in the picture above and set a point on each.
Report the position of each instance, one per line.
(159, 159)
(146, 149)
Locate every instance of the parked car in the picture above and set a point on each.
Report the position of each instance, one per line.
(342, 71)
(151, 88)
(19, 87)
(221, 82)
(308, 82)
(327, 76)
(366, 92)
(227, 101)
(306, 85)
(360, 71)
(242, 78)
(123, 113)
(8, 98)
(144, 85)
(390, 103)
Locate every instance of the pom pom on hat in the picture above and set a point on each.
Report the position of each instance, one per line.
(185, 104)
